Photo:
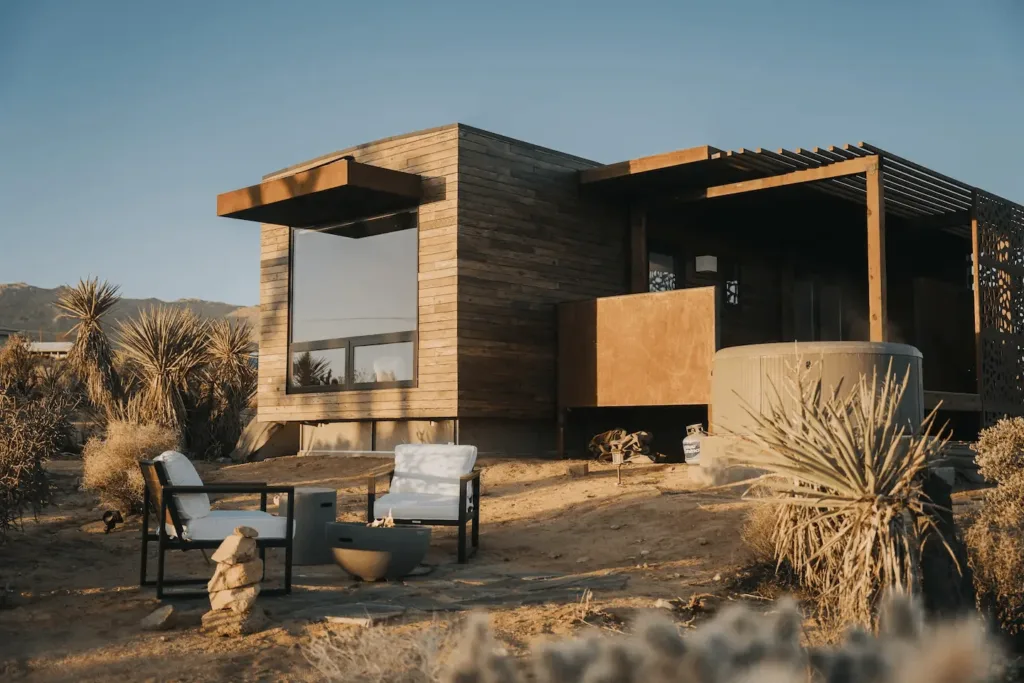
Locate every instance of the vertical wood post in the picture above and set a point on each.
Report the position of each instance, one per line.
(878, 320)
(639, 268)
(976, 267)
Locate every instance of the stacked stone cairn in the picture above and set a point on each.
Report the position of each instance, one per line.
(235, 586)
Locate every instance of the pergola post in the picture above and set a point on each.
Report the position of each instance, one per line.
(639, 267)
(976, 267)
(878, 319)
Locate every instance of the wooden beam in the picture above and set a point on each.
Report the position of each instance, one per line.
(876, 255)
(639, 266)
(645, 164)
(976, 268)
(807, 175)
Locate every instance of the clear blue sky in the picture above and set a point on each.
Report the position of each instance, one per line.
(121, 121)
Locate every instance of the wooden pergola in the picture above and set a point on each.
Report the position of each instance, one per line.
(885, 184)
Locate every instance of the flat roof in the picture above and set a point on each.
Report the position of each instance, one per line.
(335, 191)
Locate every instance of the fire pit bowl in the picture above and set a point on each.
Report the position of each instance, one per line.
(375, 553)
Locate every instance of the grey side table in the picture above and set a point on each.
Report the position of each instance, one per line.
(314, 509)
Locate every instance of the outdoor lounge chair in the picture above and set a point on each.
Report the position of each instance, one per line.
(178, 497)
(432, 485)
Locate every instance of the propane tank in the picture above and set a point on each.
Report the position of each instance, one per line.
(691, 444)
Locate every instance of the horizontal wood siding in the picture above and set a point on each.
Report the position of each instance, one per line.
(434, 155)
(527, 241)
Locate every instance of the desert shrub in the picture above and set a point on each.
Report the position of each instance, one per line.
(376, 655)
(847, 479)
(1000, 450)
(738, 645)
(995, 538)
(36, 404)
(758, 532)
(110, 464)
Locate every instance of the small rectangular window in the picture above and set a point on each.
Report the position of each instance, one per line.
(383, 363)
(662, 269)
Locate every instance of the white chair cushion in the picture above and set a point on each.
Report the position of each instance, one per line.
(219, 524)
(181, 472)
(431, 468)
(418, 506)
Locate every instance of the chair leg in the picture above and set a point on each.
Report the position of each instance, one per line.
(462, 541)
(160, 569)
(145, 552)
(476, 526)
(263, 561)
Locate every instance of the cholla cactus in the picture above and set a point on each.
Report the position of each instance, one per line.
(742, 646)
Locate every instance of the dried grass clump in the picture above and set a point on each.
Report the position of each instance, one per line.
(110, 464)
(995, 539)
(847, 479)
(740, 646)
(376, 655)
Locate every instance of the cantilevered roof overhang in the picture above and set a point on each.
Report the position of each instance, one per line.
(911, 190)
(334, 192)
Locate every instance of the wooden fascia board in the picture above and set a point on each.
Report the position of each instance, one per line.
(649, 163)
(329, 176)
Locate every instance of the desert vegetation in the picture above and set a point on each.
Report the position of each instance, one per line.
(738, 645)
(995, 538)
(842, 504)
(37, 400)
(165, 378)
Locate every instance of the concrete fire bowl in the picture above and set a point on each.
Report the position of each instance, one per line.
(375, 553)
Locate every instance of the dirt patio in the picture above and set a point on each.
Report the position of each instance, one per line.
(77, 606)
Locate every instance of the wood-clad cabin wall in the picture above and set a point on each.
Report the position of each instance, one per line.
(434, 155)
(527, 241)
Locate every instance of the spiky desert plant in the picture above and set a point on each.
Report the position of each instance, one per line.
(846, 476)
(164, 348)
(229, 384)
(91, 357)
(308, 370)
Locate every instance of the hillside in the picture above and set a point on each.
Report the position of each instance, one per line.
(33, 310)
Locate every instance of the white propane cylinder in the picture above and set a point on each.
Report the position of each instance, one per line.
(691, 444)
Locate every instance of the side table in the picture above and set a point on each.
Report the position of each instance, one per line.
(315, 508)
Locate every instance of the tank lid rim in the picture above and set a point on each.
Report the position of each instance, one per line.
(816, 348)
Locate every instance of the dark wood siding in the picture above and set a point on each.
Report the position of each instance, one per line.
(434, 155)
(526, 242)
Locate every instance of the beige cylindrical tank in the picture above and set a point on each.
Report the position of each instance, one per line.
(743, 376)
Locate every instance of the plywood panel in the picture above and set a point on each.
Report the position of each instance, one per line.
(638, 350)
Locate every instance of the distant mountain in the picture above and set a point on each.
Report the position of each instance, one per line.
(33, 310)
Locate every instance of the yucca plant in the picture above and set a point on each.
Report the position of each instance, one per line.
(229, 384)
(845, 476)
(164, 349)
(91, 357)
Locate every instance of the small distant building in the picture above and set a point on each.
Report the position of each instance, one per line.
(56, 350)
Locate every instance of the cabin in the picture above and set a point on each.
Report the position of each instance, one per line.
(456, 285)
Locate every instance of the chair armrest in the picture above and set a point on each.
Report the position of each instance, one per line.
(475, 474)
(371, 479)
(229, 488)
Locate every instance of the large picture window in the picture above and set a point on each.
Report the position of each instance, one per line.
(353, 305)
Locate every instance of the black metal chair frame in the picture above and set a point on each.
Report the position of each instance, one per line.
(167, 510)
(466, 481)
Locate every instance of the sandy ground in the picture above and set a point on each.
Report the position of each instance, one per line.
(77, 604)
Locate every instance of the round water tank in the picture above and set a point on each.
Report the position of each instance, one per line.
(746, 378)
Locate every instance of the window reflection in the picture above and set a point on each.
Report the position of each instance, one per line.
(321, 368)
(353, 304)
(383, 363)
